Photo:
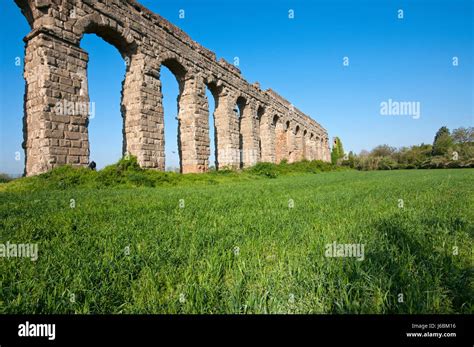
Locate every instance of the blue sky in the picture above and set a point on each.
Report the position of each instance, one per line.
(407, 59)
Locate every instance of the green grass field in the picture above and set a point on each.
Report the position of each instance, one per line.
(253, 245)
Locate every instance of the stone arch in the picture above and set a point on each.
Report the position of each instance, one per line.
(241, 102)
(27, 11)
(111, 114)
(214, 88)
(275, 120)
(175, 64)
(226, 124)
(145, 141)
(126, 46)
(177, 69)
(119, 37)
(56, 66)
(193, 113)
(66, 70)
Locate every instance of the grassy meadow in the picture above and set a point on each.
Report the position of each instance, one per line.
(251, 242)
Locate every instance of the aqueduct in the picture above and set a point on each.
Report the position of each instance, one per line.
(251, 125)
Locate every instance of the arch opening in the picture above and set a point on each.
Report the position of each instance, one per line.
(260, 114)
(239, 109)
(105, 123)
(172, 76)
(170, 89)
(91, 24)
(212, 95)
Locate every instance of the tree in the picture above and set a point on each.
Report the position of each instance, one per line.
(337, 150)
(442, 141)
(383, 151)
(351, 159)
(463, 135)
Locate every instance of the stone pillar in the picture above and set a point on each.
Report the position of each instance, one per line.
(249, 135)
(327, 150)
(259, 118)
(267, 138)
(226, 124)
(299, 145)
(142, 112)
(291, 144)
(308, 154)
(56, 103)
(307, 147)
(193, 119)
(323, 150)
(319, 148)
(315, 148)
(312, 146)
(281, 148)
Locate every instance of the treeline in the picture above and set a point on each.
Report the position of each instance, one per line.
(448, 150)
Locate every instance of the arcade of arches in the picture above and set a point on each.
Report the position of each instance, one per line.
(251, 125)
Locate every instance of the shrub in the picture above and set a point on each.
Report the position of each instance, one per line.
(127, 173)
(264, 169)
(138, 179)
(4, 178)
(387, 163)
(64, 177)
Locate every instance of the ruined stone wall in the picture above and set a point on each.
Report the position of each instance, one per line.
(56, 74)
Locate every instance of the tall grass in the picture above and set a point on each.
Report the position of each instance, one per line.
(244, 245)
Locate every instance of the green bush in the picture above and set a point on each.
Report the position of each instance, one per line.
(127, 173)
(4, 178)
(264, 169)
(387, 163)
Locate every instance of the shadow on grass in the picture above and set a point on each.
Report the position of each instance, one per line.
(412, 258)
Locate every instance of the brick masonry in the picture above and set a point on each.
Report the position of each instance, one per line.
(251, 125)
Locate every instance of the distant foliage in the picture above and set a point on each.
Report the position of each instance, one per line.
(443, 142)
(463, 135)
(337, 152)
(4, 178)
(271, 170)
(447, 151)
